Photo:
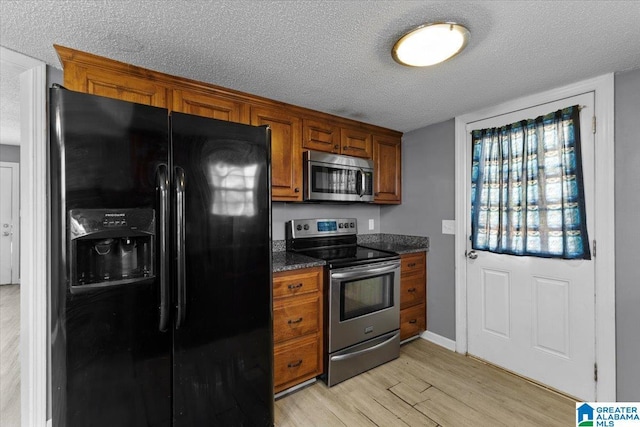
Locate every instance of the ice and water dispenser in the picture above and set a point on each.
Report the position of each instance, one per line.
(110, 247)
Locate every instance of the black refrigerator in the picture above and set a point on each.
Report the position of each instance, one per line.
(160, 297)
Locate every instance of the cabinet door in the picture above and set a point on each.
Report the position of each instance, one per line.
(355, 142)
(387, 158)
(210, 105)
(286, 157)
(113, 84)
(320, 136)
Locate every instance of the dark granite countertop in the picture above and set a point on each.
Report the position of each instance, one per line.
(285, 261)
(398, 243)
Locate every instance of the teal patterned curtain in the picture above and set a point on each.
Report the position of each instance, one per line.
(527, 194)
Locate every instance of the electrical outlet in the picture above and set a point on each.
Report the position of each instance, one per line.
(371, 224)
(448, 226)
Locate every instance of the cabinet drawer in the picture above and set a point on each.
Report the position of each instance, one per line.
(413, 263)
(412, 291)
(295, 362)
(287, 284)
(294, 317)
(412, 321)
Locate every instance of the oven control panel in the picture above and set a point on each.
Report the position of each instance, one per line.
(300, 228)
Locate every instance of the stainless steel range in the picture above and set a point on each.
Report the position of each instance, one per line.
(362, 300)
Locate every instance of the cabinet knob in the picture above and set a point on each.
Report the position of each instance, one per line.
(298, 320)
(294, 287)
(296, 190)
(411, 290)
(412, 321)
(413, 264)
(345, 148)
(336, 147)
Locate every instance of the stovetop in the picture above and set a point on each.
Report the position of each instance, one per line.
(332, 240)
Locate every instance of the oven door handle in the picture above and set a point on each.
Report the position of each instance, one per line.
(365, 271)
(363, 351)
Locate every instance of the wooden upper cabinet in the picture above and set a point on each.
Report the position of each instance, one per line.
(116, 85)
(88, 73)
(207, 104)
(355, 142)
(387, 159)
(320, 135)
(290, 134)
(286, 152)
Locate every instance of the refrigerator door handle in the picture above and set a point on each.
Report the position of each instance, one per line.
(163, 186)
(180, 247)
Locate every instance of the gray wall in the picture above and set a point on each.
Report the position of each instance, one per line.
(627, 133)
(283, 212)
(9, 153)
(428, 177)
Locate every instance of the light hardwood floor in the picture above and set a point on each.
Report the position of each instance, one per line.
(9, 355)
(427, 386)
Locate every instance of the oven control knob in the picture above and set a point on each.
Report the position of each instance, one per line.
(298, 227)
(352, 225)
(306, 226)
(340, 225)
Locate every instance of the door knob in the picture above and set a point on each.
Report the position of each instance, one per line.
(472, 255)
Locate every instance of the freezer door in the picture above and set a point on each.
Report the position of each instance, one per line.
(223, 341)
(110, 363)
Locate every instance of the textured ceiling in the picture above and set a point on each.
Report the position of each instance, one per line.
(334, 56)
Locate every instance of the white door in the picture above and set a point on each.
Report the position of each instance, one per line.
(9, 201)
(536, 316)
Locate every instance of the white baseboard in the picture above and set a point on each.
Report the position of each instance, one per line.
(439, 339)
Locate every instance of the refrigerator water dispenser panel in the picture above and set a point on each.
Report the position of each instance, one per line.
(110, 247)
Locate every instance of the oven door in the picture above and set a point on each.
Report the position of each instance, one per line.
(364, 302)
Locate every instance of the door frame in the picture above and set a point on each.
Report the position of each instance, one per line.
(34, 247)
(605, 345)
(15, 218)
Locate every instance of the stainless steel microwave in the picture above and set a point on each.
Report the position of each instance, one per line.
(336, 178)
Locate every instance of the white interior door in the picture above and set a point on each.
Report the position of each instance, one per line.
(536, 316)
(9, 201)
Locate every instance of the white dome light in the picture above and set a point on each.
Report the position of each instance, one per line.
(430, 44)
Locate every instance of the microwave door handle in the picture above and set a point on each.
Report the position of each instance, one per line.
(363, 182)
(359, 182)
(181, 290)
(163, 184)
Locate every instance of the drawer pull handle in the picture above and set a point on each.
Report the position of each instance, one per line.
(411, 290)
(294, 364)
(413, 264)
(296, 286)
(298, 320)
(412, 321)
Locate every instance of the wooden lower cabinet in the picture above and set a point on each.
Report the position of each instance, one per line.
(413, 294)
(297, 326)
(296, 361)
(412, 321)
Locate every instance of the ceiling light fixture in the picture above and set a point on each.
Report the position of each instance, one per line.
(430, 44)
